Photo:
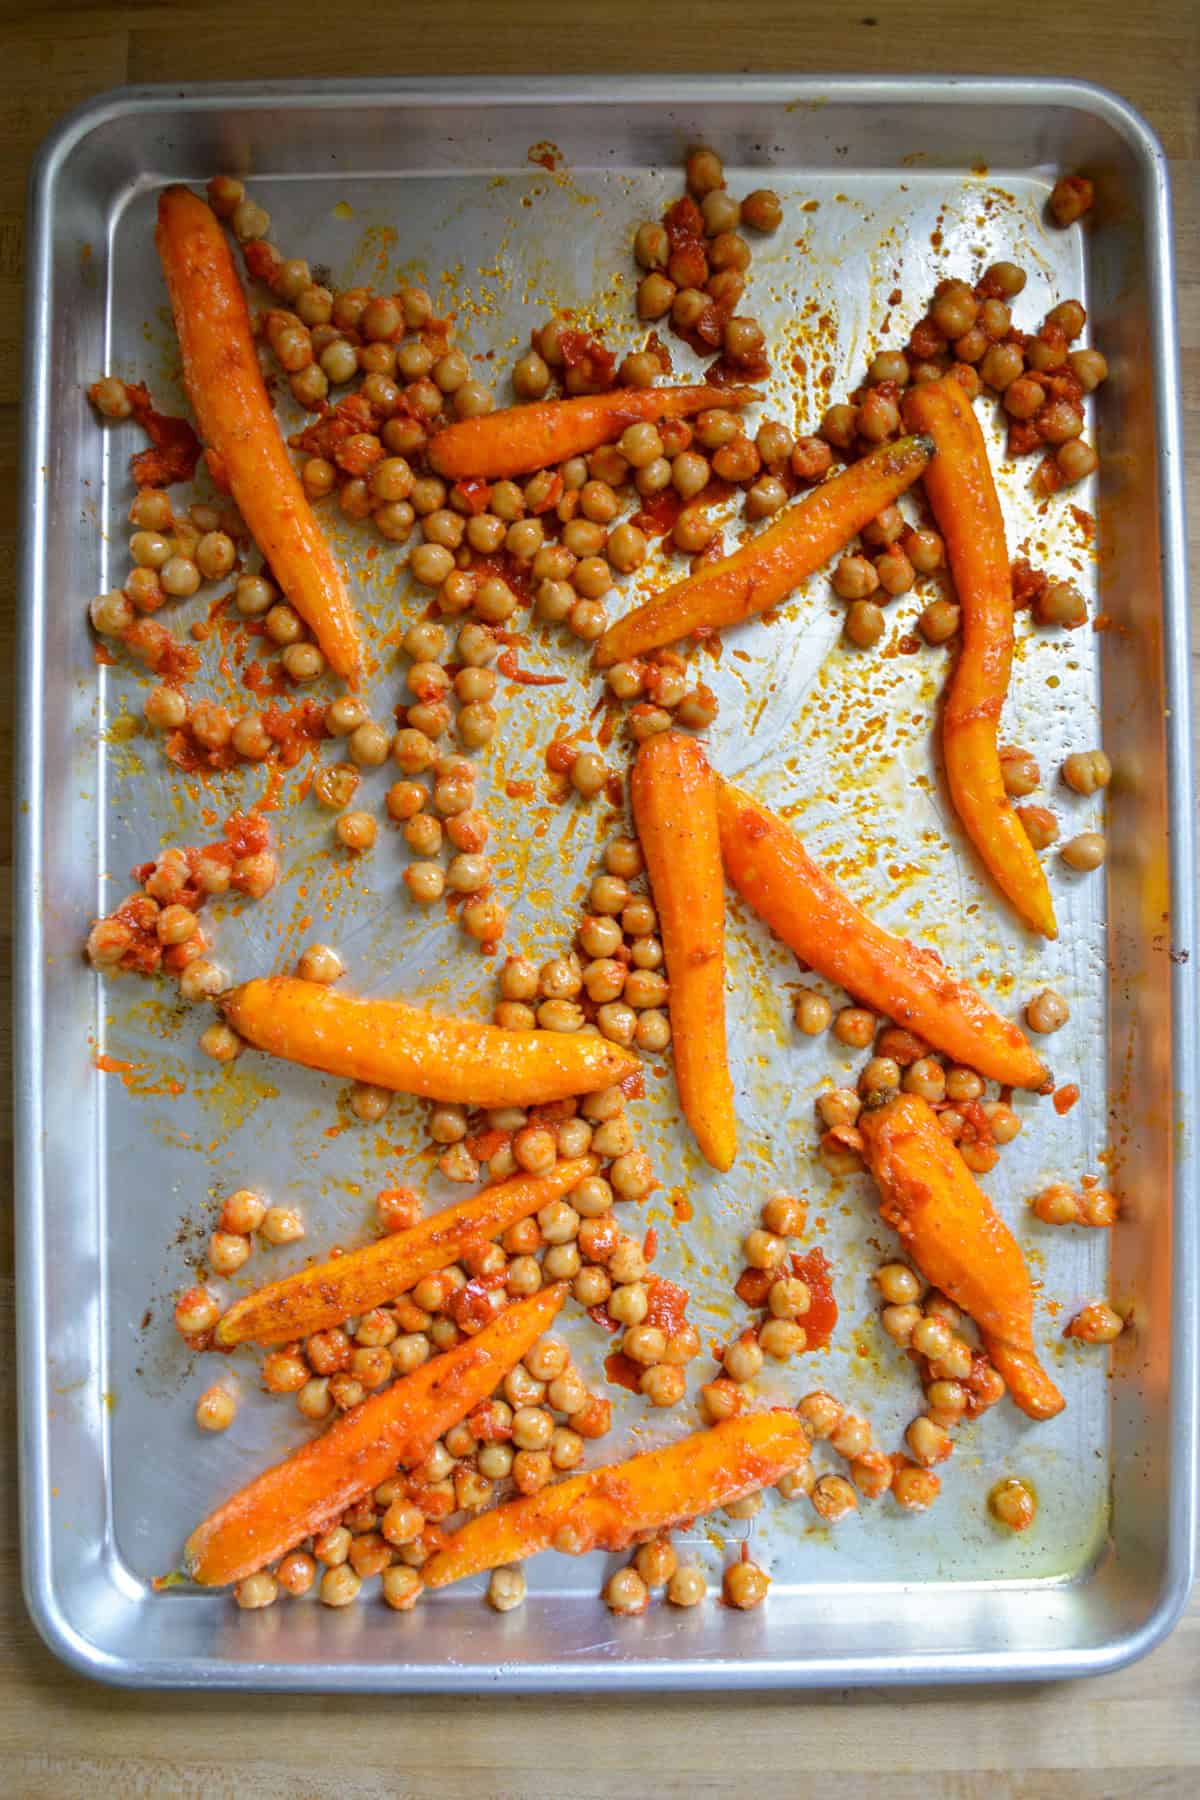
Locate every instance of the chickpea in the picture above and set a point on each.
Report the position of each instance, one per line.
(1070, 198)
(742, 1359)
(782, 1338)
(939, 621)
(356, 830)
(896, 574)
(854, 578)
(932, 1337)
(1085, 851)
(221, 1043)
(833, 1498)
(819, 1413)
(655, 295)
(900, 1322)
(1040, 824)
(282, 1225)
(1013, 1503)
(928, 1443)
(626, 1593)
(854, 1026)
(1047, 1011)
(878, 417)
(863, 624)
(954, 309)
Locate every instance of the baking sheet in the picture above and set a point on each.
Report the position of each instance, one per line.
(838, 740)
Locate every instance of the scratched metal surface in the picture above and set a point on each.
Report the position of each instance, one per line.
(838, 740)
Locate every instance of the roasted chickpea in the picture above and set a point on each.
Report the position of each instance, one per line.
(1085, 851)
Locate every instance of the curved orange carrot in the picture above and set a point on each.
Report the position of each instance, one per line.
(524, 438)
(675, 809)
(233, 411)
(398, 1427)
(767, 568)
(804, 906)
(345, 1286)
(608, 1509)
(957, 1241)
(963, 496)
(394, 1045)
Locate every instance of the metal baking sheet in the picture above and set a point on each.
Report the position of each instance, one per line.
(886, 184)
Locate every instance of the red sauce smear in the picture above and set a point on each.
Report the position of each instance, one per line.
(601, 1317)
(560, 755)
(666, 1304)
(658, 514)
(507, 664)
(582, 351)
(176, 447)
(753, 1285)
(681, 1206)
(815, 1269)
(162, 653)
(473, 493)
(546, 156)
(1029, 584)
(1065, 1098)
(622, 1370)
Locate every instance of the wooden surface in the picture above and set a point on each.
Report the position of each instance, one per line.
(1134, 1733)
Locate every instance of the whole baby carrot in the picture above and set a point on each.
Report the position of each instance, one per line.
(233, 411)
(966, 507)
(394, 1045)
(959, 1243)
(346, 1286)
(767, 568)
(803, 905)
(674, 794)
(524, 438)
(610, 1508)
(395, 1428)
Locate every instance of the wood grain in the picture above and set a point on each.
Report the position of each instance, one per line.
(1133, 1733)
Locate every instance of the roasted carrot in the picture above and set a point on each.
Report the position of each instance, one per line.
(674, 795)
(345, 1286)
(396, 1428)
(773, 872)
(966, 507)
(394, 1045)
(233, 411)
(608, 1509)
(767, 568)
(524, 438)
(957, 1241)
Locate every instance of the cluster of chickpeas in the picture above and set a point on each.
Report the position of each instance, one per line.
(172, 557)
(894, 554)
(1058, 1203)
(434, 802)
(522, 1438)
(696, 262)
(904, 1063)
(1085, 772)
(657, 687)
(968, 330)
(243, 1215)
(765, 1282)
(326, 339)
(959, 1380)
(158, 927)
(1041, 384)
(656, 1564)
(872, 1473)
(613, 982)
